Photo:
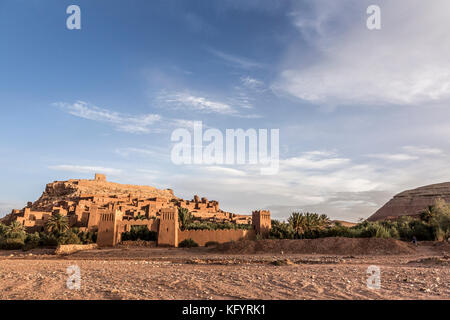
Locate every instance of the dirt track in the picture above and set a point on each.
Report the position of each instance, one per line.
(157, 273)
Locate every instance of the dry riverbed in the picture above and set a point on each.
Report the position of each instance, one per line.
(201, 273)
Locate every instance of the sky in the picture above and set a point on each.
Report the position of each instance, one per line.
(362, 114)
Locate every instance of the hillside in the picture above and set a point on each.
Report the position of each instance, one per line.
(74, 189)
(412, 202)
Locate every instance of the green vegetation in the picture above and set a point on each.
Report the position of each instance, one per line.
(57, 224)
(14, 237)
(307, 223)
(206, 225)
(139, 233)
(139, 217)
(188, 243)
(211, 244)
(187, 223)
(433, 224)
(185, 217)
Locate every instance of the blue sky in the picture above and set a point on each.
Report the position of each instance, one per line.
(362, 114)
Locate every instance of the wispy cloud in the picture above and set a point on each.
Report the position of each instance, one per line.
(225, 170)
(251, 82)
(315, 160)
(186, 100)
(393, 156)
(86, 169)
(125, 152)
(122, 122)
(423, 150)
(235, 60)
(138, 124)
(195, 102)
(356, 66)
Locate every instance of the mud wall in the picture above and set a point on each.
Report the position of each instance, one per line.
(201, 237)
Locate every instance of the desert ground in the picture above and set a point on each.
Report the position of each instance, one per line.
(272, 270)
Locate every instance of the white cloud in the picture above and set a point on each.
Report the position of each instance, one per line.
(132, 124)
(404, 63)
(393, 157)
(225, 170)
(86, 169)
(125, 152)
(197, 103)
(237, 61)
(252, 82)
(423, 150)
(314, 160)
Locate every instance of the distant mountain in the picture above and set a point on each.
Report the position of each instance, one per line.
(412, 202)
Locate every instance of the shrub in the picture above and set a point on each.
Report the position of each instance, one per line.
(281, 230)
(87, 237)
(211, 244)
(68, 237)
(11, 244)
(139, 233)
(33, 240)
(48, 240)
(3, 228)
(188, 243)
(206, 225)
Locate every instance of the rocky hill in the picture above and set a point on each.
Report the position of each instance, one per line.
(412, 202)
(74, 189)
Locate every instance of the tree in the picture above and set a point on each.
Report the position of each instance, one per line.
(428, 213)
(297, 222)
(57, 224)
(185, 217)
(281, 230)
(68, 237)
(307, 222)
(15, 230)
(2, 229)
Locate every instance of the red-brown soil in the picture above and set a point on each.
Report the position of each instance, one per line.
(216, 273)
(338, 245)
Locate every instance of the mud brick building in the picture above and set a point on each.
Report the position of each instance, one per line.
(110, 209)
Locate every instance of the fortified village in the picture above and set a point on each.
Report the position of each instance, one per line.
(111, 208)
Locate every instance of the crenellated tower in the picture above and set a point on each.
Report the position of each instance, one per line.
(261, 222)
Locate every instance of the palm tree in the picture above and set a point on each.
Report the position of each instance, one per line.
(324, 220)
(15, 230)
(2, 229)
(428, 213)
(297, 221)
(184, 216)
(307, 222)
(57, 224)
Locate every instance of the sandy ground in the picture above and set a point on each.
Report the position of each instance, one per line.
(199, 273)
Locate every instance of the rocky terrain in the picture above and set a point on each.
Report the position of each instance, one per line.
(72, 190)
(412, 202)
(210, 273)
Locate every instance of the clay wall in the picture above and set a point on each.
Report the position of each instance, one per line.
(168, 227)
(201, 237)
